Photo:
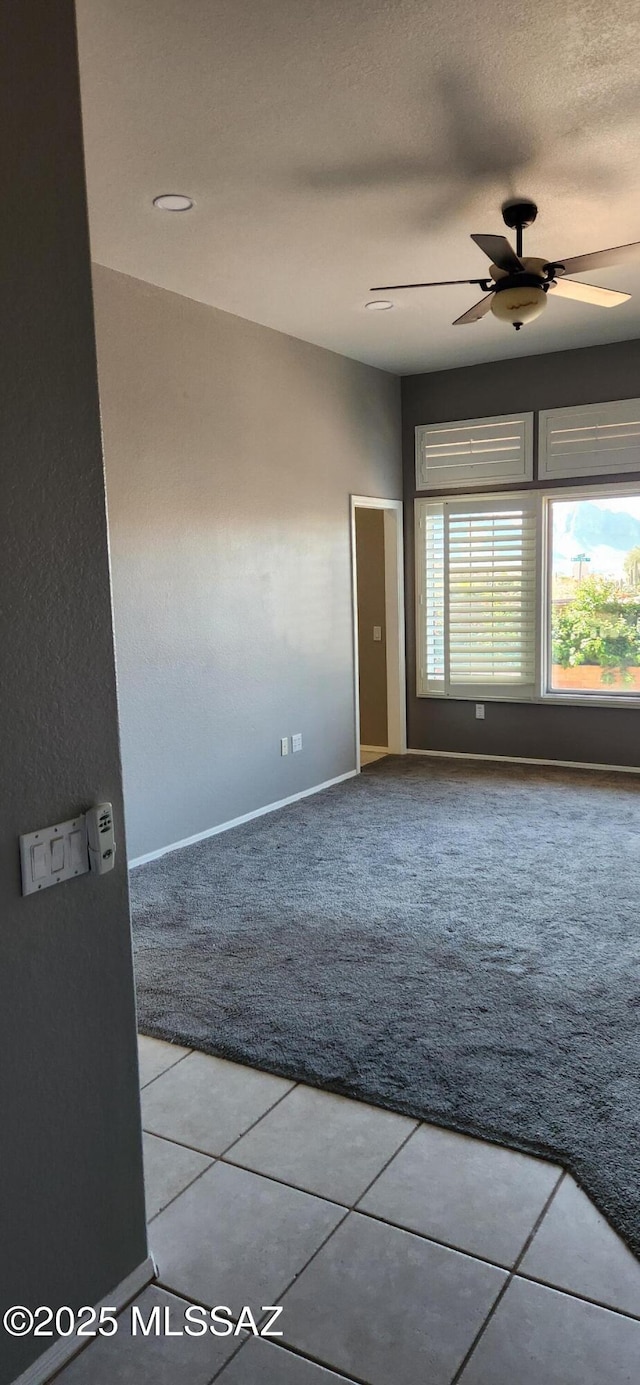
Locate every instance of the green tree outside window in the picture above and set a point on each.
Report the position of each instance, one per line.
(600, 625)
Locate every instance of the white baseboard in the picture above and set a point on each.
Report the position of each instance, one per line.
(237, 822)
(375, 749)
(525, 760)
(63, 1351)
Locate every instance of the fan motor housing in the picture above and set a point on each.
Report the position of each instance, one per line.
(519, 212)
(521, 280)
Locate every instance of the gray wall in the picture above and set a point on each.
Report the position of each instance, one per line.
(231, 451)
(372, 654)
(589, 376)
(71, 1201)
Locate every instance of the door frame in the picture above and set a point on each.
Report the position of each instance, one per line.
(394, 620)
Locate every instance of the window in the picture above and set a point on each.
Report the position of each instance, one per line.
(589, 441)
(477, 596)
(594, 595)
(474, 451)
(530, 596)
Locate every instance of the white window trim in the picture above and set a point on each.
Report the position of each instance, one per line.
(542, 695)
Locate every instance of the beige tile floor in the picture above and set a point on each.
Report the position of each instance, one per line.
(401, 1254)
(368, 757)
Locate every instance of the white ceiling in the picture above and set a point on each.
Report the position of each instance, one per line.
(334, 144)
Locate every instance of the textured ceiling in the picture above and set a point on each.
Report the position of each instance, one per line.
(334, 144)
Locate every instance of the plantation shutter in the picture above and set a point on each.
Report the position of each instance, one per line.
(477, 597)
(474, 451)
(430, 597)
(590, 441)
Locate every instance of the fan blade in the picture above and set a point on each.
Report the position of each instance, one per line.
(476, 312)
(499, 252)
(435, 284)
(588, 293)
(618, 254)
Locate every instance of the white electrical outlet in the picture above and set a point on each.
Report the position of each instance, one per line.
(284, 745)
(377, 633)
(296, 742)
(479, 711)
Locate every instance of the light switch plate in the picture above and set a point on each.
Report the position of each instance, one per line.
(377, 633)
(53, 854)
(479, 711)
(296, 742)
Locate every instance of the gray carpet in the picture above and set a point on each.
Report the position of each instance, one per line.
(457, 942)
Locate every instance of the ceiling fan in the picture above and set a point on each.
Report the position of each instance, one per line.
(517, 288)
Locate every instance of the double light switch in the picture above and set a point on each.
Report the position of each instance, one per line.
(48, 858)
(54, 854)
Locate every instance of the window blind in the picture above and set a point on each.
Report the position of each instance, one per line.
(590, 441)
(474, 452)
(477, 610)
(431, 622)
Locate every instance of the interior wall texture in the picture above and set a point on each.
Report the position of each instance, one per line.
(71, 1194)
(592, 375)
(372, 654)
(231, 452)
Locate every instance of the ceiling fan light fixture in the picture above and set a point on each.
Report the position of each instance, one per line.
(517, 288)
(519, 304)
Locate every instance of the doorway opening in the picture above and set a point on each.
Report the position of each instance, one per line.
(378, 628)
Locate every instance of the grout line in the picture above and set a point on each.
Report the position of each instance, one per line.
(267, 1177)
(226, 1363)
(212, 1161)
(282, 1183)
(376, 1216)
(350, 1206)
(281, 1098)
(216, 1158)
(216, 1376)
(334, 1372)
(356, 1208)
(582, 1298)
(509, 1280)
(333, 1202)
(385, 1166)
(244, 1340)
(247, 1337)
(283, 1293)
(199, 1303)
(433, 1240)
(537, 1224)
(164, 1070)
(196, 1149)
(188, 1298)
(171, 1140)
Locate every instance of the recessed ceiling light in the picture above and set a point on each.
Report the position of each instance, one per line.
(378, 305)
(173, 202)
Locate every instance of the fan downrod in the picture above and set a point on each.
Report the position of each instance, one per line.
(517, 213)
